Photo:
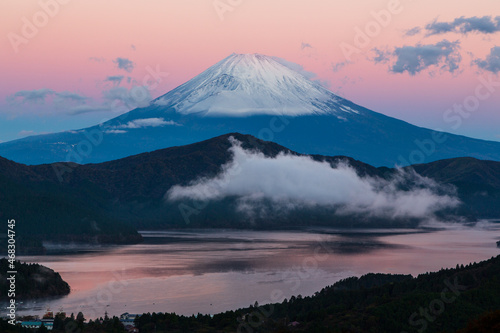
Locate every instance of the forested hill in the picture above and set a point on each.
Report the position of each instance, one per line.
(32, 281)
(109, 202)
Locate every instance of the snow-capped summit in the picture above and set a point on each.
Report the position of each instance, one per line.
(249, 84)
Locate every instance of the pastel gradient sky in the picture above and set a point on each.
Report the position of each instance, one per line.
(78, 66)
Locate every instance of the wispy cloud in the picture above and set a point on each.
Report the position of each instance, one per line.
(304, 45)
(308, 50)
(88, 108)
(465, 25)
(137, 96)
(443, 55)
(115, 98)
(147, 122)
(115, 79)
(337, 66)
(67, 102)
(295, 67)
(40, 96)
(125, 64)
(31, 96)
(290, 182)
(25, 133)
(413, 31)
(68, 95)
(115, 131)
(298, 68)
(381, 56)
(491, 62)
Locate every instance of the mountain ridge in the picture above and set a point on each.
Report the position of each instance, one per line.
(96, 200)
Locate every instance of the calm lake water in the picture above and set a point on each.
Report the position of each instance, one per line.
(213, 271)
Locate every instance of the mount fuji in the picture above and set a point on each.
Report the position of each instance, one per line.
(257, 95)
(251, 84)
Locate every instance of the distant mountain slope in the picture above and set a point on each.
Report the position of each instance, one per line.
(463, 171)
(131, 189)
(105, 202)
(150, 175)
(45, 209)
(478, 182)
(256, 95)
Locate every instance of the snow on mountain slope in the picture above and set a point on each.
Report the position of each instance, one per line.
(257, 95)
(249, 84)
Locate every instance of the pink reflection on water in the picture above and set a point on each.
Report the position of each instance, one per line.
(214, 271)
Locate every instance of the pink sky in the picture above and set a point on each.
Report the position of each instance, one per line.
(184, 37)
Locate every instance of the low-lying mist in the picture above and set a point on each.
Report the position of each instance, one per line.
(292, 182)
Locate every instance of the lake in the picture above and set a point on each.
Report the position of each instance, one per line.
(211, 271)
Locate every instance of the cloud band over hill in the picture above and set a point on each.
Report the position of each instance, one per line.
(290, 181)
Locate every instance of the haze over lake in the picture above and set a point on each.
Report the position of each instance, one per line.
(211, 271)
